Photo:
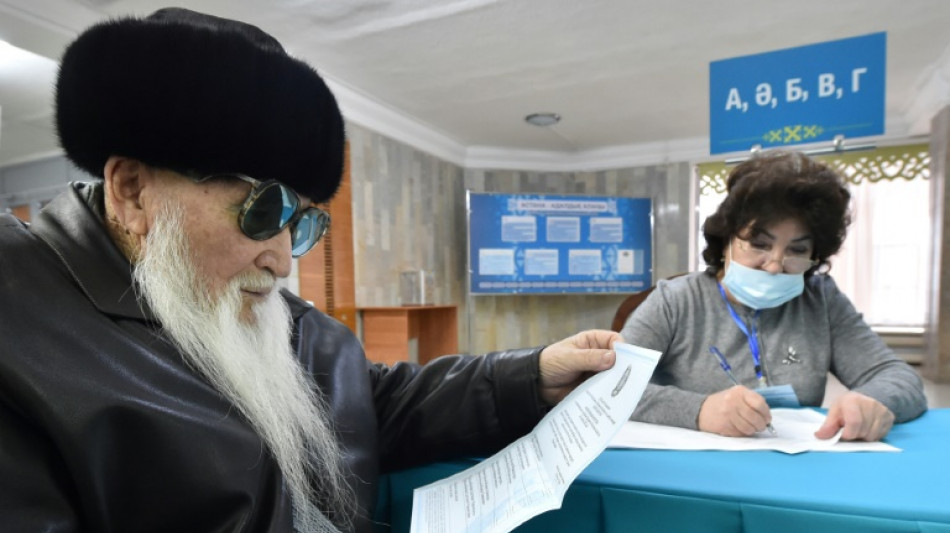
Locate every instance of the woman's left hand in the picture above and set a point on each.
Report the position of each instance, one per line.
(862, 417)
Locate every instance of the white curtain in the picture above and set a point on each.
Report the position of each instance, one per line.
(883, 265)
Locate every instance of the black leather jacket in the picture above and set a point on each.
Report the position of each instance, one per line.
(103, 428)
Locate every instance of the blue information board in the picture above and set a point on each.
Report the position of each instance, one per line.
(798, 95)
(559, 244)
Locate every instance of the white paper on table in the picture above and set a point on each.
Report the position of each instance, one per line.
(794, 428)
(532, 474)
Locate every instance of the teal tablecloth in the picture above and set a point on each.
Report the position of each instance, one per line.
(756, 491)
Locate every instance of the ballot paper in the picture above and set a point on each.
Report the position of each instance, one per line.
(531, 475)
(794, 433)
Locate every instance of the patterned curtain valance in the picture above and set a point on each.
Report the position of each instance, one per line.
(887, 163)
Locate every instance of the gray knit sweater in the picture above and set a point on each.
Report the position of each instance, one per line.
(685, 315)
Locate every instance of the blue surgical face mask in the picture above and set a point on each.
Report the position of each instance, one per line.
(759, 289)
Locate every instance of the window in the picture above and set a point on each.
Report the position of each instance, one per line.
(884, 264)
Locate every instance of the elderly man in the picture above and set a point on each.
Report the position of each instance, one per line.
(152, 378)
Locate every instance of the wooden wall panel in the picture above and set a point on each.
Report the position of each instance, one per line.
(22, 212)
(311, 274)
(342, 282)
(326, 273)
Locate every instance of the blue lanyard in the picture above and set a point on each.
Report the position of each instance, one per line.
(750, 333)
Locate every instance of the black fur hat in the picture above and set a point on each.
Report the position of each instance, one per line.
(198, 94)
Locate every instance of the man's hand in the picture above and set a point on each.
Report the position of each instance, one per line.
(565, 364)
(862, 417)
(734, 412)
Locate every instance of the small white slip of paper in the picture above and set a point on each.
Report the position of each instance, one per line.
(794, 433)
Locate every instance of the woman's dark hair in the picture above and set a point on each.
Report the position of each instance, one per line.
(774, 187)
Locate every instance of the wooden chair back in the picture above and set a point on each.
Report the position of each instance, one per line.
(630, 304)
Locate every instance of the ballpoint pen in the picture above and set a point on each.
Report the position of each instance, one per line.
(728, 370)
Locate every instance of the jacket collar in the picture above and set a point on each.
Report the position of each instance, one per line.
(72, 225)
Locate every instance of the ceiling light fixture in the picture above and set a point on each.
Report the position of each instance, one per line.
(543, 119)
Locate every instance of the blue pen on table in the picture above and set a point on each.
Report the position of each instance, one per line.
(728, 370)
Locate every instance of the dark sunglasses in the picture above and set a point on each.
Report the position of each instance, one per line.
(270, 207)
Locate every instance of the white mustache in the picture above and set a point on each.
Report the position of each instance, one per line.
(263, 282)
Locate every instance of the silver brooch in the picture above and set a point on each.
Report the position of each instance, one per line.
(791, 357)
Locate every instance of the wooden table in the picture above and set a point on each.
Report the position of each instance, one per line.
(409, 333)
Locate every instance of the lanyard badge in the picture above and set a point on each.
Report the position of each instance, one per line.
(751, 335)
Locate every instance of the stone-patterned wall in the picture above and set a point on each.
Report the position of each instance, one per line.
(409, 213)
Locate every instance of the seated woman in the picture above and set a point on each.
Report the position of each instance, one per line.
(767, 304)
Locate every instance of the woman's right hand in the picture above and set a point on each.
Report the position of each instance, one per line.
(734, 412)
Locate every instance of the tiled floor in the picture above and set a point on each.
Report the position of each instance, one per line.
(938, 394)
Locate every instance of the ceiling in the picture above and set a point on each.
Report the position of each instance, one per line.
(456, 78)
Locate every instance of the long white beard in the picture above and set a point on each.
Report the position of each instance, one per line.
(250, 362)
